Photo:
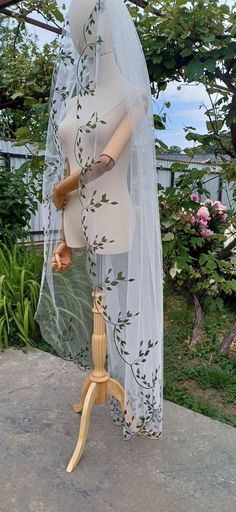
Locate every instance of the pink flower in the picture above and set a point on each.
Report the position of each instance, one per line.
(219, 207)
(195, 197)
(193, 220)
(208, 201)
(222, 216)
(205, 233)
(203, 213)
(203, 223)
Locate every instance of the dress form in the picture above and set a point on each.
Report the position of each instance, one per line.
(131, 280)
(118, 223)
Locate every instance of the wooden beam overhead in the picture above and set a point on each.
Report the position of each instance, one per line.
(7, 3)
(27, 19)
(139, 3)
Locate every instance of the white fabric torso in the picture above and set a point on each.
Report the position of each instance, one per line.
(115, 222)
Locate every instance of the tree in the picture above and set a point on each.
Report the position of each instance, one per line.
(195, 41)
(25, 78)
(171, 150)
(18, 202)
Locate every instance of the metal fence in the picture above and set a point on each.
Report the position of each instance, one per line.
(14, 157)
(218, 190)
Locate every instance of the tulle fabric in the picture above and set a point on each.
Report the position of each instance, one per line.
(131, 281)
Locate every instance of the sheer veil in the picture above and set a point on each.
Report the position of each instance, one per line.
(129, 278)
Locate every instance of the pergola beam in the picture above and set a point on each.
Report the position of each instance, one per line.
(7, 3)
(32, 21)
(139, 3)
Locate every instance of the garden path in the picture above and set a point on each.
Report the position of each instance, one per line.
(192, 468)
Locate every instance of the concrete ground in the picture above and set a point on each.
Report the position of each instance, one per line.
(192, 468)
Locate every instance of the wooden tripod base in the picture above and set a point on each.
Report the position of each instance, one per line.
(92, 393)
(98, 384)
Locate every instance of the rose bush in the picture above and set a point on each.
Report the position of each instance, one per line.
(193, 236)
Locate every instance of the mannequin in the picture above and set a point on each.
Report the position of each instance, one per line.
(100, 172)
(113, 153)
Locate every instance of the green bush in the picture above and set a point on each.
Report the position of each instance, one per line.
(19, 291)
(17, 203)
(193, 235)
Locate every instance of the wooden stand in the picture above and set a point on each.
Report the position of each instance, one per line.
(98, 384)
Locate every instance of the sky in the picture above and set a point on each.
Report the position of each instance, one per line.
(187, 105)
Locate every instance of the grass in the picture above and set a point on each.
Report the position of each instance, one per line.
(75, 306)
(19, 290)
(201, 379)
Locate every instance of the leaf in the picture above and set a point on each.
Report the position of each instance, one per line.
(233, 285)
(185, 53)
(208, 38)
(194, 70)
(175, 270)
(233, 30)
(17, 94)
(104, 198)
(23, 132)
(168, 236)
(167, 223)
(219, 303)
(211, 264)
(203, 258)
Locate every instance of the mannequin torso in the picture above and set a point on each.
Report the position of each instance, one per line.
(115, 222)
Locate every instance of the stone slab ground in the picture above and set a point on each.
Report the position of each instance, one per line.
(192, 468)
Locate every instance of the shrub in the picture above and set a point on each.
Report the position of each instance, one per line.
(17, 203)
(19, 291)
(193, 243)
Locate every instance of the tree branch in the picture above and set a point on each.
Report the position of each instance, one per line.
(227, 249)
(198, 324)
(14, 104)
(221, 88)
(227, 341)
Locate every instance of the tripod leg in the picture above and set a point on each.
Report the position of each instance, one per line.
(84, 424)
(78, 407)
(115, 389)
